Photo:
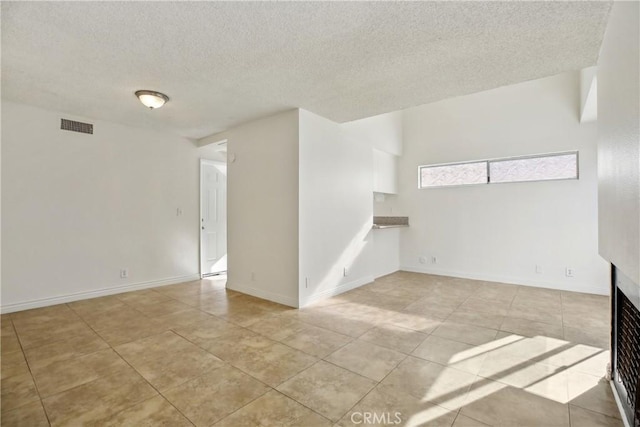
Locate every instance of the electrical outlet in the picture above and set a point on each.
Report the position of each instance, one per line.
(124, 273)
(306, 282)
(253, 276)
(178, 212)
(538, 269)
(570, 272)
(422, 260)
(345, 272)
(434, 259)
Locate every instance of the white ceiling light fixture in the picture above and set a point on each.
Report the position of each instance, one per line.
(152, 99)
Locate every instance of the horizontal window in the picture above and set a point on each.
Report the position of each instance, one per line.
(542, 167)
(457, 174)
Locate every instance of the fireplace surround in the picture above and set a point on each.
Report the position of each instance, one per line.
(625, 345)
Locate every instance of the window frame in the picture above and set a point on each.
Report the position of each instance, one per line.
(497, 160)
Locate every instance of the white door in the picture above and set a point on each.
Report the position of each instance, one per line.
(213, 217)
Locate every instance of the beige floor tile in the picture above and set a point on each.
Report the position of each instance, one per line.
(18, 391)
(143, 297)
(497, 404)
(197, 287)
(537, 301)
(277, 327)
(230, 345)
(38, 316)
(435, 306)
(116, 317)
(47, 333)
(64, 349)
(391, 407)
(454, 354)
(274, 409)
(596, 337)
(91, 307)
(468, 334)
(543, 314)
(272, 364)
(12, 364)
(94, 402)
(586, 317)
(65, 374)
(530, 328)
(167, 360)
(327, 389)
(581, 417)
(332, 319)
(416, 322)
(496, 292)
(464, 421)
(162, 308)
(592, 393)
(204, 333)
(182, 319)
(480, 305)
(135, 329)
(150, 413)
(211, 397)
(476, 318)
(395, 338)
(526, 349)
(580, 358)
(318, 342)
(366, 359)
(8, 340)
(438, 384)
(539, 294)
(30, 415)
(547, 381)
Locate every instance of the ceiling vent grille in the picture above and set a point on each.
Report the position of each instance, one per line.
(74, 126)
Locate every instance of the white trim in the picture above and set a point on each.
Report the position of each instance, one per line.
(212, 163)
(44, 302)
(506, 279)
(260, 293)
(625, 421)
(328, 293)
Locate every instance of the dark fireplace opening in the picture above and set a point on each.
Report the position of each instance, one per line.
(625, 345)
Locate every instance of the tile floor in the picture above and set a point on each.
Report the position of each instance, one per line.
(409, 349)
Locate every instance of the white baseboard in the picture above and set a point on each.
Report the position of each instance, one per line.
(260, 293)
(45, 302)
(328, 293)
(505, 279)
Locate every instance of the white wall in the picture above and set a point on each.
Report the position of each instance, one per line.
(500, 232)
(386, 251)
(77, 208)
(262, 207)
(382, 132)
(336, 209)
(619, 140)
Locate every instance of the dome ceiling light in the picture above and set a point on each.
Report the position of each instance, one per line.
(152, 99)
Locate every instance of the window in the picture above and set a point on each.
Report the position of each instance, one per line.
(456, 174)
(542, 167)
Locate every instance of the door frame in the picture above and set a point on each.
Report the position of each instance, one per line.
(201, 251)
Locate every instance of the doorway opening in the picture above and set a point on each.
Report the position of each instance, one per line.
(213, 218)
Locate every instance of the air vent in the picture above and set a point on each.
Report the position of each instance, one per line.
(76, 126)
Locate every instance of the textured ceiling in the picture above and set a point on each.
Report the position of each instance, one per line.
(223, 63)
